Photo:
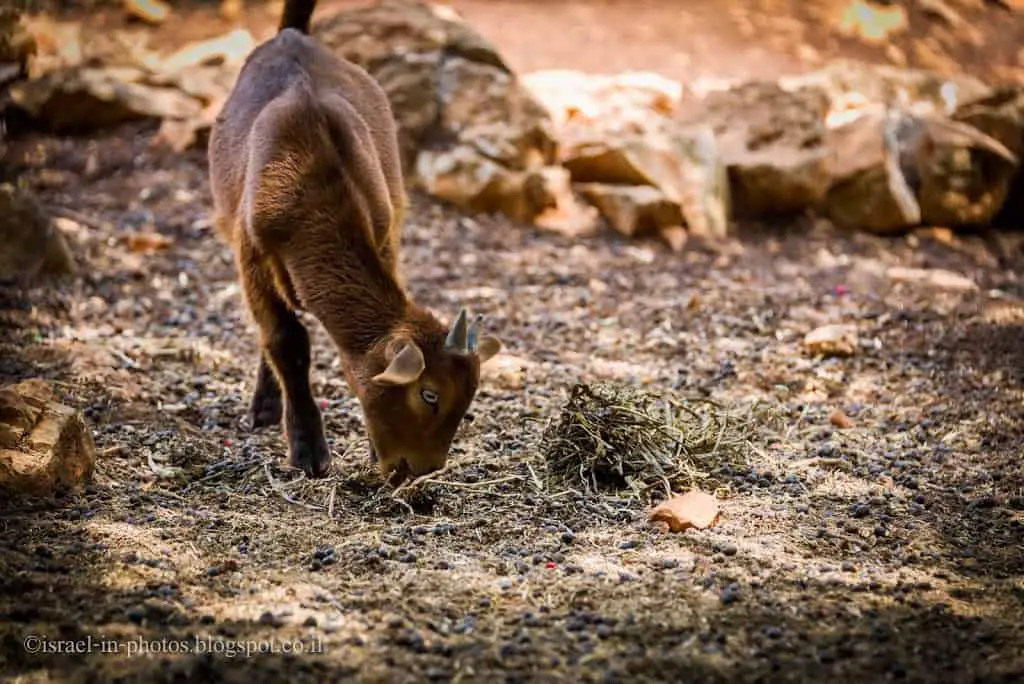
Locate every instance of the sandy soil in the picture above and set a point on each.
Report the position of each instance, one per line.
(891, 550)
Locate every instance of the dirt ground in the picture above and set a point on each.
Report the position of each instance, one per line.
(893, 550)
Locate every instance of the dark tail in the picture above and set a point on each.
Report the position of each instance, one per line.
(296, 15)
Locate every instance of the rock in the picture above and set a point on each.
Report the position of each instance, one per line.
(684, 165)
(230, 48)
(178, 135)
(569, 217)
(469, 131)
(33, 246)
(44, 446)
(965, 175)
(149, 11)
(633, 101)
(772, 142)
(89, 88)
(693, 509)
(487, 108)
(80, 100)
(704, 192)
(1001, 116)
(869, 22)
(675, 237)
(832, 340)
(470, 180)
(506, 371)
(936, 278)
(632, 210)
(851, 85)
(896, 169)
(869, 190)
(205, 70)
(840, 420)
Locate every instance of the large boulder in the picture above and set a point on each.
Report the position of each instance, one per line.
(45, 446)
(82, 100)
(965, 175)
(893, 170)
(633, 210)
(91, 88)
(464, 177)
(851, 84)
(470, 132)
(682, 163)
(630, 159)
(869, 190)
(772, 141)
(32, 245)
(1001, 116)
(629, 102)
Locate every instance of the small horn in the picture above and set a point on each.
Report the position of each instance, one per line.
(473, 336)
(456, 340)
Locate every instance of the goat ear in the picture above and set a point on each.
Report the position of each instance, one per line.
(487, 348)
(405, 367)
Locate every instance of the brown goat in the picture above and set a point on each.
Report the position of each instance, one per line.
(308, 190)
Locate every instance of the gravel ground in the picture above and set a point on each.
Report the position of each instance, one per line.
(892, 549)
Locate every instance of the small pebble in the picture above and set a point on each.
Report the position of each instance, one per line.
(731, 594)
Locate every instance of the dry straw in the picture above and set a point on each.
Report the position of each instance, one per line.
(613, 438)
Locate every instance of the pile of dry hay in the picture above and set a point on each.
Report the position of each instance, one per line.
(611, 438)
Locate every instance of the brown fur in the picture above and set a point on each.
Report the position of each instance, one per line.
(308, 191)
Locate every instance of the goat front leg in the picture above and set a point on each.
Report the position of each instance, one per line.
(285, 349)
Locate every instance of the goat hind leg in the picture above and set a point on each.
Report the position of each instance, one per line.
(266, 408)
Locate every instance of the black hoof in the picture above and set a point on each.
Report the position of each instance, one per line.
(265, 410)
(312, 456)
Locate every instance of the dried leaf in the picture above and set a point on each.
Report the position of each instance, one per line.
(148, 242)
(693, 509)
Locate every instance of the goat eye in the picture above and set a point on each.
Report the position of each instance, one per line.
(429, 396)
